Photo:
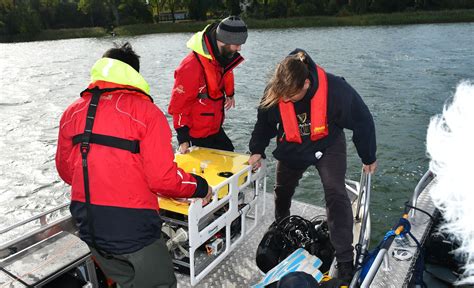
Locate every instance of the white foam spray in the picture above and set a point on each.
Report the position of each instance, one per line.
(450, 145)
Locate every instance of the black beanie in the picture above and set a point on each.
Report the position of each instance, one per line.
(232, 30)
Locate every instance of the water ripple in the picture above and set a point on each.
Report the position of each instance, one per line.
(14, 104)
(403, 73)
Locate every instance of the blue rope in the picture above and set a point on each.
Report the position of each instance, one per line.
(401, 222)
(388, 234)
(370, 256)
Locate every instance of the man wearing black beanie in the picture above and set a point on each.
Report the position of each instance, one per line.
(204, 85)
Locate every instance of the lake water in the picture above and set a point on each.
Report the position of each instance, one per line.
(404, 74)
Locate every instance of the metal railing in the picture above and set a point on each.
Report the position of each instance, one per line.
(46, 223)
(424, 181)
(363, 203)
(381, 255)
(41, 217)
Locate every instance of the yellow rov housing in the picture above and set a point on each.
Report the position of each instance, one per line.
(200, 236)
(213, 165)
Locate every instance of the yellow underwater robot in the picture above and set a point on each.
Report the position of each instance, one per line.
(200, 237)
(216, 166)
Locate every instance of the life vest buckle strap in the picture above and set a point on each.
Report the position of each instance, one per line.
(85, 147)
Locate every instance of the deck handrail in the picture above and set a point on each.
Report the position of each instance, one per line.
(365, 191)
(47, 227)
(424, 181)
(40, 216)
(422, 184)
(363, 200)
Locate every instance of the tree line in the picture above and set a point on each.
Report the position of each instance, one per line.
(32, 16)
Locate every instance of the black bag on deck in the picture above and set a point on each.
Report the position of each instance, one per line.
(291, 233)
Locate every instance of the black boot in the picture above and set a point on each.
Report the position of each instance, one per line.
(345, 271)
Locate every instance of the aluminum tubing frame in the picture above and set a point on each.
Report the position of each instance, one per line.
(196, 212)
(380, 258)
(363, 202)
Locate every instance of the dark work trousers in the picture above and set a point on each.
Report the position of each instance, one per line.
(220, 141)
(332, 171)
(148, 267)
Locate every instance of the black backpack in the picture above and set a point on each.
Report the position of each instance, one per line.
(293, 232)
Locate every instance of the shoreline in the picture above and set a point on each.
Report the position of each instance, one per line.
(401, 18)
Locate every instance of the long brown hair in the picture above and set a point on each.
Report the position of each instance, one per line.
(289, 78)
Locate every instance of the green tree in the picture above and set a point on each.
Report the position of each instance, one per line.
(156, 7)
(47, 10)
(68, 16)
(233, 7)
(419, 4)
(307, 8)
(216, 9)
(359, 6)
(198, 9)
(135, 11)
(5, 8)
(173, 5)
(388, 6)
(22, 19)
(113, 6)
(278, 8)
(333, 7)
(92, 8)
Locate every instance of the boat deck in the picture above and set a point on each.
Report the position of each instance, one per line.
(398, 273)
(239, 269)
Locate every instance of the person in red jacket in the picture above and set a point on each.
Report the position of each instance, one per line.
(204, 85)
(114, 149)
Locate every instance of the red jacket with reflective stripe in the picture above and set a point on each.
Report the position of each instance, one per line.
(117, 177)
(203, 116)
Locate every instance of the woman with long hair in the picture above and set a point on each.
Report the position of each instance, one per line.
(307, 110)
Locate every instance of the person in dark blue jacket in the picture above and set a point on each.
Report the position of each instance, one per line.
(307, 110)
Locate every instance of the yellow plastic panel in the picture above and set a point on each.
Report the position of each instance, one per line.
(212, 165)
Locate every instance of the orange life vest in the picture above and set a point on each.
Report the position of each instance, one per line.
(218, 79)
(319, 125)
